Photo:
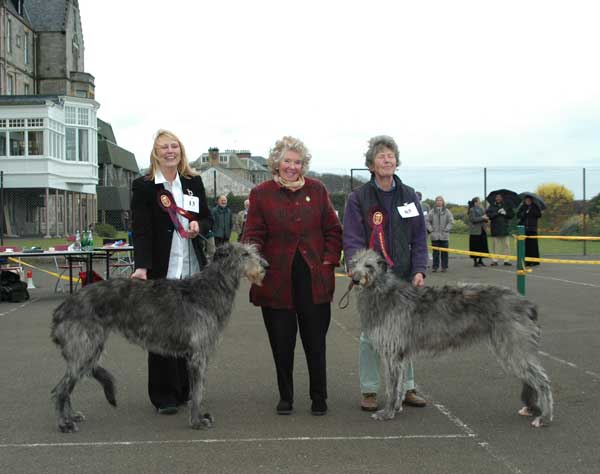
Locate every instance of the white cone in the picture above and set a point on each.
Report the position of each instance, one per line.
(30, 285)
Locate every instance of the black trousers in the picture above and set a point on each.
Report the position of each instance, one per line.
(168, 382)
(282, 326)
(531, 248)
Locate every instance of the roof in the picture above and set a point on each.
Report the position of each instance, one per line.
(110, 153)
(231, 175)
(105, 131)
(29, 99)
(47, 15)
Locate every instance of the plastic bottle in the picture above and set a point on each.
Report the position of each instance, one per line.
(77, 241)
(90, 239)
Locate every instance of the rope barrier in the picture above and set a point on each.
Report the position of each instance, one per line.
(53, 274)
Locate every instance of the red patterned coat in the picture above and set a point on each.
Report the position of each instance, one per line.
(280, 222)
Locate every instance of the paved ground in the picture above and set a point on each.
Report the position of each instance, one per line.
(471, 425)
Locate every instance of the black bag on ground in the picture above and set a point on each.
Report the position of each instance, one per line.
(12, 288)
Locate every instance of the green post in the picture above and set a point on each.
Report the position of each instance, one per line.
(520, 260)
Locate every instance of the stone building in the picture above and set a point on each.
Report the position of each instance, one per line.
(17, 51)
(231, 171)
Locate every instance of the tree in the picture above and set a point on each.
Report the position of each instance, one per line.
(559, 205)
(594, 206)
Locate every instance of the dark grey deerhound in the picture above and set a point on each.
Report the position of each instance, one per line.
(172, 317)
(403, 321)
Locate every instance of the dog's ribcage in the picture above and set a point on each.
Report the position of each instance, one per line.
(403, 320)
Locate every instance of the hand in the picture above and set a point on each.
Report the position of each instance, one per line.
(140, 274)
(501, 211)
(418, 280)
(193, 230)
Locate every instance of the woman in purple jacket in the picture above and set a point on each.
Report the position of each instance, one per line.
(385, 209)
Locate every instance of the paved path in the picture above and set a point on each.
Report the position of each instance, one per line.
(471, 425)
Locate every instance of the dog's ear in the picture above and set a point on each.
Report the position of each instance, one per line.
(382, 264)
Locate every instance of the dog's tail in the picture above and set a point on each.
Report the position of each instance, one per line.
(108, 383)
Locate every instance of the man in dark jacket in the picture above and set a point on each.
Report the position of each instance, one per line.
(500, 214)
(223, 221)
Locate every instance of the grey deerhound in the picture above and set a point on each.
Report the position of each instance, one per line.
(402, 321)
(172, 317)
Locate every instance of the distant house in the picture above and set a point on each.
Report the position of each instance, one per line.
(117, 168)
(231, 171)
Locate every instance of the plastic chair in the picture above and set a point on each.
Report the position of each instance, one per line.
(62, 267)
(120, 262)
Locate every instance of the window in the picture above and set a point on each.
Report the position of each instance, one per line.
(9, 85)
(2, 123)
(17, 143)
(2, 143)
(71, 145)
(36, 122)
(26, 48)
(26, 89)
(70, 116)
(83, 145)
(35, 141)
(18, 41)
(16, 123)
(82, 116)
(8, 36)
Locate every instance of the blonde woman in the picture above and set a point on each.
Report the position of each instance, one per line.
(167, 245)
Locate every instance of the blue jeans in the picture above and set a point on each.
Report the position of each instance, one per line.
(368, 367)
(436, 254)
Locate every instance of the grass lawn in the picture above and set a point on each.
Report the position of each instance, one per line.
(547, 247)
(457, 241)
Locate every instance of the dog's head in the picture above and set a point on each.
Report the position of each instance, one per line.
(250, 262)
(366, 265)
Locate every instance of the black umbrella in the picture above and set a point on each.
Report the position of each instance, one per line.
(539, 202)
(510, 197)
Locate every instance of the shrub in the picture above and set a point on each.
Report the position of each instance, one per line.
(459, 227)
(105, 230)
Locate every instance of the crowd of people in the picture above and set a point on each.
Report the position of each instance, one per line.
(291, 220)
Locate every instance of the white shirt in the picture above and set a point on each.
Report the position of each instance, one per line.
(182, 259)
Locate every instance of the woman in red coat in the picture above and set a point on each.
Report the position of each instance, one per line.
(293, 223)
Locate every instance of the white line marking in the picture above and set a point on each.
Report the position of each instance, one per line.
(533, 275)
(32, 300)
(232, 440)
(570, 364)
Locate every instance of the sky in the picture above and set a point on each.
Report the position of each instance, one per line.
(460, 84)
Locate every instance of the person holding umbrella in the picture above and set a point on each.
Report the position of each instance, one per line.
(500, 213)
(528, 214)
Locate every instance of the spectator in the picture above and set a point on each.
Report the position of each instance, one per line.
(293, 223)
(223, 221)
(439, 222)
(240, 219)
(528, 215)
(500, 214)
(167, 245)
(477, 234)
(386, 210)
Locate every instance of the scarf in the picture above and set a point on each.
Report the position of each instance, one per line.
(291, 185)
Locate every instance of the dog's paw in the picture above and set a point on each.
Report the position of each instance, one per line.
(383, 415)
(538, 422)
(77, 417)
(68, 426)
(525, 411)
(203, 423)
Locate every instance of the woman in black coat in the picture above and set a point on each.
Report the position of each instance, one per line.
(528, 215)
(167, 245)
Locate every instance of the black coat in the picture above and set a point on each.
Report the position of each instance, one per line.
(528, 217)
(153, 229)
(499, 222)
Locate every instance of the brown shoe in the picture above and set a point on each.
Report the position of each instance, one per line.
(369, 402)
(412, 399)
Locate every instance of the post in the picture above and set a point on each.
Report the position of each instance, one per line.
(584, 216)
(521, 260)
(484, 184)
(1, 207)
(215, 184)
